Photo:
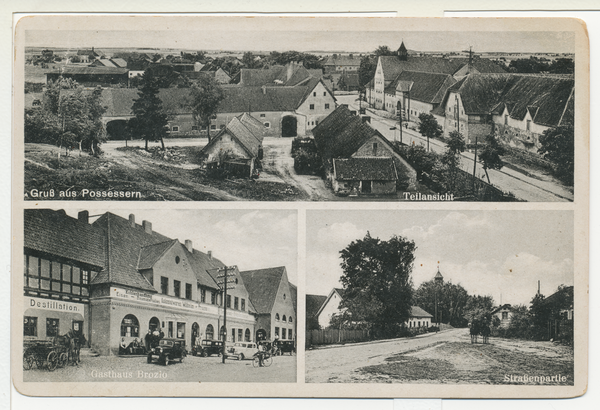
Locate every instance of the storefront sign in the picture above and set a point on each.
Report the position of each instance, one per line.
(55, 305)
(160, 300)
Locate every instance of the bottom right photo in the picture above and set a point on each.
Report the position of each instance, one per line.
(440, 297)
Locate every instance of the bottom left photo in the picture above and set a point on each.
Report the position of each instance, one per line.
(159, 296)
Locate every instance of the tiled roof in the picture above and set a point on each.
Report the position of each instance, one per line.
(416, 311)
(556, 296)
(244, 135)
(89, 70)
(262, 286)
(342, 60)
(56, 233)
(201, 264)
(119, 62)
(341, 134)
(365, 168)
(426, 87)
(256, 127)
(393, 66)
(151, 254)
(253, 99)
(103, 62)
(313, 304)
(257, 77)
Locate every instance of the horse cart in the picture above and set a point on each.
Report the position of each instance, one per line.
(48, 354)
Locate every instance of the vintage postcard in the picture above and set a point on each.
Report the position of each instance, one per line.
(402, 207)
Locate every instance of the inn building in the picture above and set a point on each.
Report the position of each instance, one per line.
(115, 278)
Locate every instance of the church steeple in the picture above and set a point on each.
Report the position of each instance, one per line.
(439, 279)
(402, 52)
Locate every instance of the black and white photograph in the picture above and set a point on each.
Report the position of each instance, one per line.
(182, 296)
(279, 109)
(440, 297)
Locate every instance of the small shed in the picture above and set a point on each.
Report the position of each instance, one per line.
(364, 175)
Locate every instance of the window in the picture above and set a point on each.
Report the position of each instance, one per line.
(210, 332)
(277, 317)
(374, 147)
(203, 295)
(188, 291)
(213, 127)
(229, 301)
(170, 330)
(243, 307)
(130, 326)
(312, 106)
(284, 296)
(247, 335)
(233, 335)
(528, 125)
(276, 331)
(164, 285)
(30, 326)
(315, 94)
(52, 327)
(290, 319)
(326, 106)
(213, 298)
(504, 315)
(177, 288)
(284, 318)
(262, 115)
(240, 335)
(267, 125)
(290, 334)
(180, 330)
(236, 303)
(175, 128)
(283, 332)
(324, 93)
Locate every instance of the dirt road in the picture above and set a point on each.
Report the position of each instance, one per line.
(278, 162)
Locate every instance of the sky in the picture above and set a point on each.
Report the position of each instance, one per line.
(341, 39)
(497, 253)
(250, 239)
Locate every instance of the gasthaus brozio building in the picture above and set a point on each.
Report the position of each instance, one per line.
(114, 279)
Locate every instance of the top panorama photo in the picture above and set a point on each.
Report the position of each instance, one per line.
(223, 114)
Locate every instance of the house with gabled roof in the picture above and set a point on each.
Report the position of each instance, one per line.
(330, 307)
(353, 153)
(418, 318)
(339, 63)
(313, 305)
(517, 108)
(240, 142)
(272, 296)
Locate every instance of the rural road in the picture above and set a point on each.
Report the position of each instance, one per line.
(535, 187)
(340, 364)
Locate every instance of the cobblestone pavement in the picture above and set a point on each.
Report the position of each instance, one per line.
(192, 369)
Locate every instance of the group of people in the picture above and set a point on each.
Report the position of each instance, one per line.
(137, 346)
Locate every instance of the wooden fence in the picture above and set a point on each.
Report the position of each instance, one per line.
(333, 336)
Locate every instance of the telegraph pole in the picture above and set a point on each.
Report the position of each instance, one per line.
(224, 275)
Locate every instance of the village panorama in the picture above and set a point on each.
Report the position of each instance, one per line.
(392, 124)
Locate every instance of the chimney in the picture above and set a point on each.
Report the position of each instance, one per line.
(132, 220)
(147, 227)
(538, 287)
(84, 216)
(210, 255)
(189, 246)
(264, 89)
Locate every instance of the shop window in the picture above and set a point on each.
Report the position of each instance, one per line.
(290, 334)
(243, 306)
(130, 326)
(180, 330)
(247, 335)
(240, 335)
(236, 303)
(188, 291)
(277, 331)
(210, 332)
(229, 301)
(283, 332)
(30, 326)
(277, 317)
(177, 288)
(164, 285)
(170, 330)
(52, 326)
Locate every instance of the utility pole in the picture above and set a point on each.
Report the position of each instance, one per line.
(223, 275)
(474, 164)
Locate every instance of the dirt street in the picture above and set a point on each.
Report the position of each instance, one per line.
(446, 357)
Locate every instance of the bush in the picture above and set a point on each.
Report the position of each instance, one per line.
(306, 162)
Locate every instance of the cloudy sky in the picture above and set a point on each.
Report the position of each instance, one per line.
(250, 239)
(244, 34)
(497, 253)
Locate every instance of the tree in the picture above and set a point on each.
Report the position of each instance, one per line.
(248, 59)
(451, 301)
(366, 70)
(451, 157)
(206, 95)
(384, 51)
(429, 127)
(558, 146)
(377, 282)
(151, 121)
(490, 155)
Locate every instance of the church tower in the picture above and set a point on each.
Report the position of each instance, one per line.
(439, 279)
(402, 52)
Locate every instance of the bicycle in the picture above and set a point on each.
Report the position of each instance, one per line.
(267, 359)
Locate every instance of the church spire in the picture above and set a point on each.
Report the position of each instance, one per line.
(438, 277)
(403, 52)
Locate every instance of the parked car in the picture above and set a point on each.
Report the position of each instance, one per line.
(287, 346)
(208, 347)
(242, 350)
(168, 350)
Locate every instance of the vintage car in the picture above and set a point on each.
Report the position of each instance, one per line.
(242, 350)
(286, 346)
(168, 350)
(207, 348)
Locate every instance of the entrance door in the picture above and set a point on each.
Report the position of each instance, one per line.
(289, 126)
(366, 187)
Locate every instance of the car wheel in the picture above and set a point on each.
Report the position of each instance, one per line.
(241, 356)
(203, 354)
